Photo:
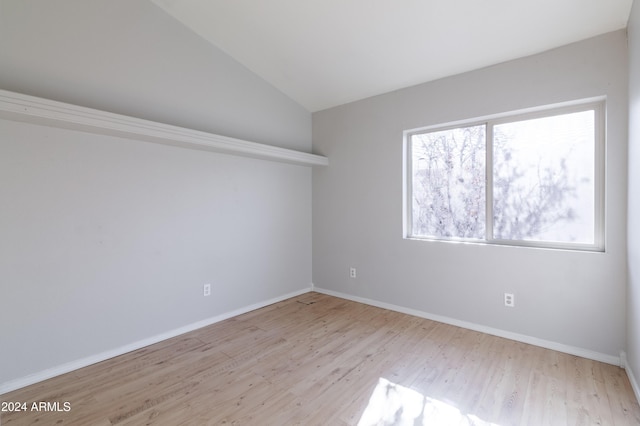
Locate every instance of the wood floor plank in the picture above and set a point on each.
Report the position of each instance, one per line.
(317, 359)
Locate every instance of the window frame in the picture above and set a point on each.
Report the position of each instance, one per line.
(597, 105)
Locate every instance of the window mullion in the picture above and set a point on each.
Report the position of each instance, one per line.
(600, 159)
(408, 187)
(489, 182)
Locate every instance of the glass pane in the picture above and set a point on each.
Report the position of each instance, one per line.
(448, 183)
(544, 179)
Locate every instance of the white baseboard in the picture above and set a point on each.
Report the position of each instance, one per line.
(84, 362)
(93, 359)
(631, 375)
(560, 347)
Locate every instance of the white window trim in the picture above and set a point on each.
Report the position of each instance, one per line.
(598, 105)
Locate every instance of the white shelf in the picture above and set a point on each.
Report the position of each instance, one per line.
(30, 109)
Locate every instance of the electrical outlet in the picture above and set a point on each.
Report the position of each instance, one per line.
(509, 300)
(352, 272)
(207, 290)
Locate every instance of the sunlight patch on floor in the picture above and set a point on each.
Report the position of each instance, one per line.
(392, 404)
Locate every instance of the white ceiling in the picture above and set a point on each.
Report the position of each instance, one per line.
(324, 53)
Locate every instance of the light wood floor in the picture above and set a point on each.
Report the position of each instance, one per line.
(316, 359)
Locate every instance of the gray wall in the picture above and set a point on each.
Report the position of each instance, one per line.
(572, 298)
(633, 297)
(130, 57)
(105, 242)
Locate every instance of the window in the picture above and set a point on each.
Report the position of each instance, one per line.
(533, 179)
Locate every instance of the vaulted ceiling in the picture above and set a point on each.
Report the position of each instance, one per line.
(324, 53)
